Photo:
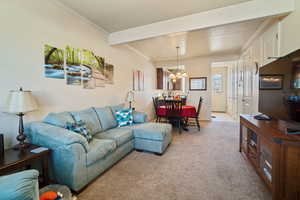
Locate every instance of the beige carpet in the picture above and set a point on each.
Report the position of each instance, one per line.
(202, 165)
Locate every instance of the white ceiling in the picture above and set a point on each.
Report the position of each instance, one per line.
(221, 40)
(117, 15)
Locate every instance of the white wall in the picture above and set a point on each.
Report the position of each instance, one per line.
(200, 67)
(196, 67)
(25, 27)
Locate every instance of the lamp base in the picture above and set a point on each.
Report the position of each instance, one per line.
(21, 146)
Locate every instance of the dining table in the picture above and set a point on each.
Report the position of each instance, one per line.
(187, 110)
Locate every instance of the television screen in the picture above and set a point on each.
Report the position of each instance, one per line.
(279, 88)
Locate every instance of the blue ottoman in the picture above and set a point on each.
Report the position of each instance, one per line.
(152, 137)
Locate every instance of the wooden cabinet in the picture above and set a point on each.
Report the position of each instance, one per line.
(159, 78)
(163, 81)
(271, 43)
(274, 155)
(257, 55)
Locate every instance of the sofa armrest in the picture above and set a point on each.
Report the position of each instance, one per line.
(139, 117)
(52, 137)
(22, 185)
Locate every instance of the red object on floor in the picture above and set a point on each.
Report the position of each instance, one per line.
(187, 111)
(48, 196)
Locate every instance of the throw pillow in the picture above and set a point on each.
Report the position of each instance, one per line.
(124, 117)
(79, 127)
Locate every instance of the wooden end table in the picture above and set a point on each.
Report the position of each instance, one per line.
(16, 160)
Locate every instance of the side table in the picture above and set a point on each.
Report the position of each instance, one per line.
(18, 160)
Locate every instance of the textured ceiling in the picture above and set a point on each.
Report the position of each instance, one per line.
(221, 40)
(116, 15)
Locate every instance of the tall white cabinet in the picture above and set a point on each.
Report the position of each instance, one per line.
(265, 49)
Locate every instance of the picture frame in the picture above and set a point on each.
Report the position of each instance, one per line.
(271, 81)
(198, 83)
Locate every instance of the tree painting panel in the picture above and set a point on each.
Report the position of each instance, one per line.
(54, 62)
(73, 66)
(93, 70)
(109, 73)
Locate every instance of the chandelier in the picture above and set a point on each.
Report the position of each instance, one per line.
(178, 73)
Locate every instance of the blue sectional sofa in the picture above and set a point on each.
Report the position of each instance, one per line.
(20, 186)
(75, 162)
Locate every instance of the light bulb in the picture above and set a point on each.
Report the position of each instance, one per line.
(172, 76)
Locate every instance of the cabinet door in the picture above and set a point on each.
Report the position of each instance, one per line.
(290, 171)
(266, 161)
(243, 139)
(271, 43)
(257, 61)
(159, 79)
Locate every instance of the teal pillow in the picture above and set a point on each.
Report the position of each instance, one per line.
(91, 120)
(139, 117)
(59, 119)
(79, 127)
(124, 117)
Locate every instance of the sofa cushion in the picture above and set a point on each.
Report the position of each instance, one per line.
(120, 135)
(90, 118)
(117, 107)
(99, 148)
(59, 119)
(22, 185)
(152, 131)
(106, 117)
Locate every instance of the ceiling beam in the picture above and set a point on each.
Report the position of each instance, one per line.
(231, 14)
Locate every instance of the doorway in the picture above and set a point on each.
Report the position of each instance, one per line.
(219, 88)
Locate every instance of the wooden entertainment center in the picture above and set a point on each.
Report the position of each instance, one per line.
(274, 154)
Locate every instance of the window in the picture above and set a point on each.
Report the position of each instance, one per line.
(218, 83)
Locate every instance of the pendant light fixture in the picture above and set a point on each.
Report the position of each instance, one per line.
(179, 73)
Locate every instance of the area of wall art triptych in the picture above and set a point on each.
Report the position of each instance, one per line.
(77, 66)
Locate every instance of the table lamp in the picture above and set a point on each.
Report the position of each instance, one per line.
(20, 102)
(130, 98)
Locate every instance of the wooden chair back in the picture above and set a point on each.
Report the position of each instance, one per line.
(154, 99)
(173, 108)
(199, 105)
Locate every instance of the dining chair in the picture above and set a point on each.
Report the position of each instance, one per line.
(174, 112)
(157, 104)
(197, 113)
(183, 99)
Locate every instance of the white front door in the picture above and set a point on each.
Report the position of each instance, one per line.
(219, 86)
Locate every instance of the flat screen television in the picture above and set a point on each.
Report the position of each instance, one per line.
(279, 88)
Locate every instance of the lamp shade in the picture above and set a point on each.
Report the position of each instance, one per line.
(20, 101)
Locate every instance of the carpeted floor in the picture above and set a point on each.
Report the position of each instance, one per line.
(202, 165)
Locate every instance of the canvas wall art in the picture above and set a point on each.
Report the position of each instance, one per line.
(141, 80)
(109, 73)
(54, 62)
(138, 80)
(93, 70)
(73, 66)
(80, 66)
